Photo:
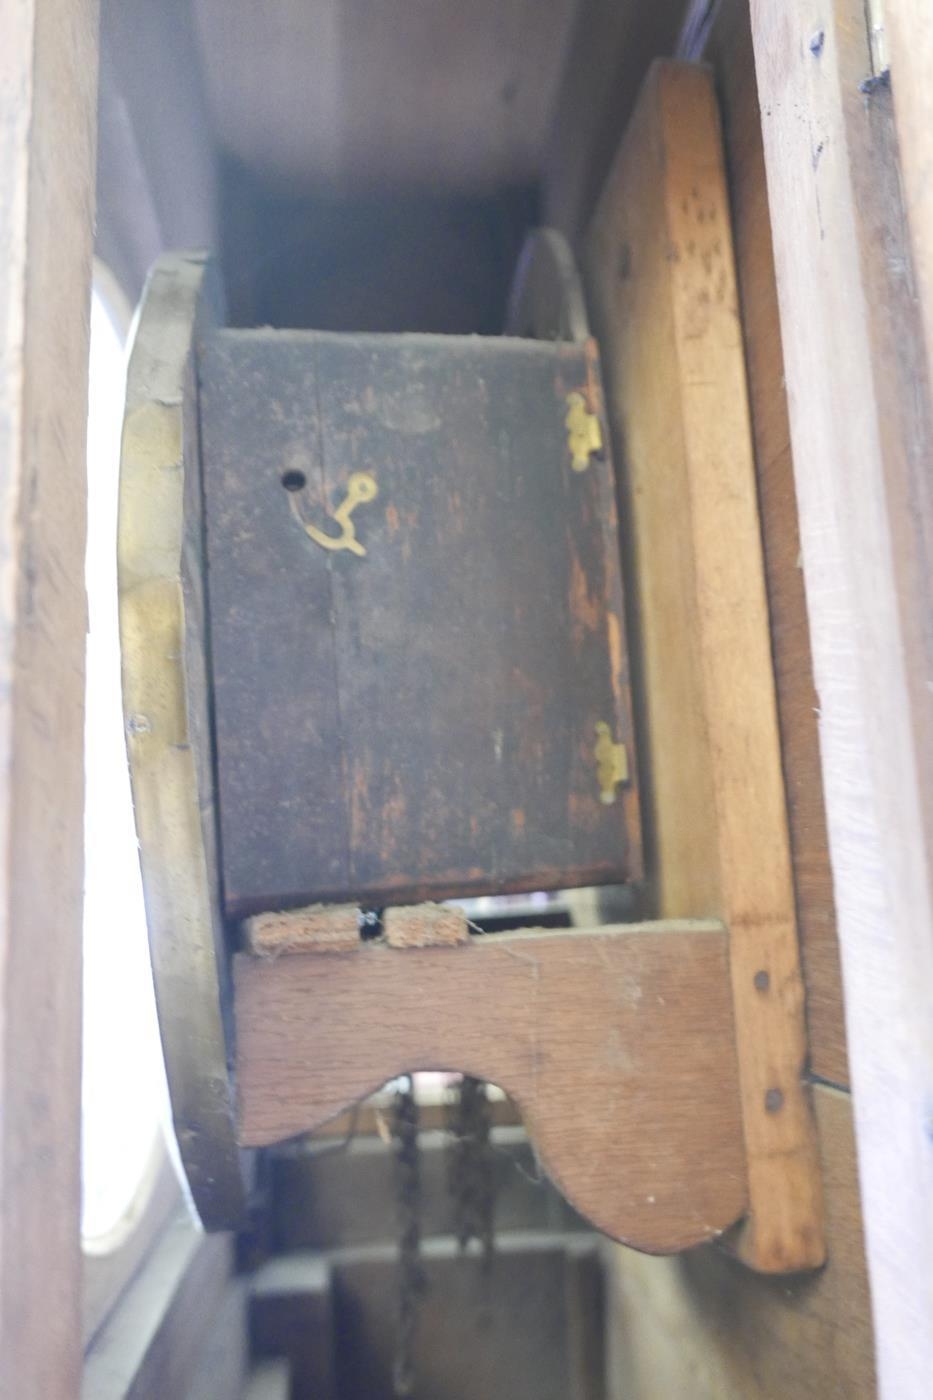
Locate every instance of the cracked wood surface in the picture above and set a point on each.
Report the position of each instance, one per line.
(616, 1044)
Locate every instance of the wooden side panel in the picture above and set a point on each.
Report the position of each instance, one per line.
(426, 93)
(662, 285)
(48, 79)
(862, 474)
(418, 715)
(730, 53)
(701, 1327)
(617, 1046)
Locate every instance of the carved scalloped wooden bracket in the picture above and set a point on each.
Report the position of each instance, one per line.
(617, 1045)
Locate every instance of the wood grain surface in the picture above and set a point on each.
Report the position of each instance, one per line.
(661, 279)
(856, 386)
(419, 721)
(730, 52)
(48, 89)
(616, 1044)
(908, 28)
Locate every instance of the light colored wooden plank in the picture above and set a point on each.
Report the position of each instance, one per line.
(731, 54)
(616, 1044)
(662, 287)
(856, 405)
(48, 76)
(908, 26)
(702, 1328)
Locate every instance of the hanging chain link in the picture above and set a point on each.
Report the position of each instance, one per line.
(412, 1280)
(471, 1170)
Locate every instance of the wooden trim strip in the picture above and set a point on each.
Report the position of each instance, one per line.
(661, 279)
(48, 86)
(861, 460)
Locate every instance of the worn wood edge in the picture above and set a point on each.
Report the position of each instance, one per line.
(182, 908)
(317, 928)
(425, 926)
(724, 605)
(48, 84)
(643, 1139)
(728, 47)
(909, 33)
(334, 928)
(853, 524)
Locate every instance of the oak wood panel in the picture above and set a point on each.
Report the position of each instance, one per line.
(730, 52)
(48, 79)
(700, 1327)
(662, 287)
(853, 385)
(363, 93)
(617, 1046)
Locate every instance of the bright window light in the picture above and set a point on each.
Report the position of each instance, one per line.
(123, 1083)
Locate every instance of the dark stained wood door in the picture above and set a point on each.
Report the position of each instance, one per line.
(413, 714)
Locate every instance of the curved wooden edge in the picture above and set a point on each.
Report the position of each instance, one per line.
(546, 299)
(617, 1045)
(162, 633)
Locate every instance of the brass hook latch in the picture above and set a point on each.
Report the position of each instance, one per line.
(361, 488)
(611, 763)
(584, 432)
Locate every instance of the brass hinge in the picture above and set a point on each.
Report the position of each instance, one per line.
(611, 763)
(584, 432)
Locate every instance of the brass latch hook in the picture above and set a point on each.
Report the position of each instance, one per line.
(361, 488)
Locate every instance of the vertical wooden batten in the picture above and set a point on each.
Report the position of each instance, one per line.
(729, 50)
(859, 414)
(662, 287)
(48, 74)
